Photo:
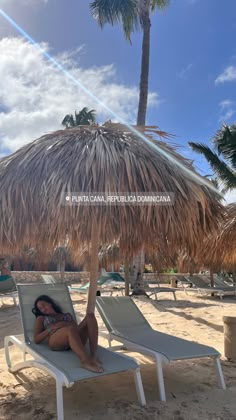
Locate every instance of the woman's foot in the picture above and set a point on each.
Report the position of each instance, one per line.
(92, 366)
(97, 361)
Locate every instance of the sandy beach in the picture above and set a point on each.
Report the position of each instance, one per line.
(191, 386)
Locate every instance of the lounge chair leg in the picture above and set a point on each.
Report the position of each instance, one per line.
(174, 296)
(60, 409)
(7, 353)
(139, 387)
(219, 374)
(109, 339)
(160, 379)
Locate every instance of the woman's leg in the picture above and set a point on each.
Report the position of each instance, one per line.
(88, 329)
(69, 336)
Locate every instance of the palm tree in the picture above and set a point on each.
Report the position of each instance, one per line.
(224, 145)
(83, 117)
(132, 15)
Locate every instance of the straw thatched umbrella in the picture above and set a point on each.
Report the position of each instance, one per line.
(219, 250)
(35, 179)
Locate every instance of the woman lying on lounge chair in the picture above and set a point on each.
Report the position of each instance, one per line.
(64, 333)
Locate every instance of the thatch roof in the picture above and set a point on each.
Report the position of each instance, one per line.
(34, 181)
(219, 249)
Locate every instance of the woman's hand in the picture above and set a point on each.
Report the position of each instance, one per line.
(60, 324)
(40, 334)
(54, 326)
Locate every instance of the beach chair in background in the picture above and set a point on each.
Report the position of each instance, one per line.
(106, 283)
(63, 366)
(220, 282)
(227, 281)
(126, 324)
(203, 288)
(48, 278)
(7, 288)
(158, 289)
(85, 287)
(183, 281)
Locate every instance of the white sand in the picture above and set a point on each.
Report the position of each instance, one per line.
(191, 386)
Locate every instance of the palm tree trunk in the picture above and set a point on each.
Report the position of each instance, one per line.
(138, 262)
(143, 85)
(141, 119)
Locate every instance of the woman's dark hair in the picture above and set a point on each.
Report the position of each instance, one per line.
(47, 299)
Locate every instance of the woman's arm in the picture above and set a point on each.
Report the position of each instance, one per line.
(40, 334)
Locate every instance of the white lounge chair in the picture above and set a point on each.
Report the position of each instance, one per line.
(156, 290)
(63, 366)
(203, 287)
(104, 285)
(48, 278)
(222, 284)
(126, 324)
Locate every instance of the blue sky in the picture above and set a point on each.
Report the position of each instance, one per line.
(192, 69)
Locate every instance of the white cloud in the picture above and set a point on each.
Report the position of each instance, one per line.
(185, 70)
(225, 103)
(228, 75)
(228, 114)
(227, 109)
(35, 96)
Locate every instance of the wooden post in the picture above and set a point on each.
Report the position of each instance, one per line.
(127, 279)
(94, 266)
(62, 268)
(234, 276)
(211, 277)
(191, 269)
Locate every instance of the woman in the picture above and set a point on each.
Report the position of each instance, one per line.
(64, 333)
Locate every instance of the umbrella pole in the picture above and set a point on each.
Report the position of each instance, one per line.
(94, 265)
(212, 277)
(127, 280)
(62, 269)
(234, 276)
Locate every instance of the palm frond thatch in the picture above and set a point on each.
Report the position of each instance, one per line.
(35, 179)
(219, 249)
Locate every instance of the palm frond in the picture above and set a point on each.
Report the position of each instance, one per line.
(224, 142)
(83, 117)
(113, 11)
(219, 167)
(128, 13)
(160, 4)
(66, 121)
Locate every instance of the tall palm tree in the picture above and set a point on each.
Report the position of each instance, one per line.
(132, 15)
(83, 117)
(224, 145)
